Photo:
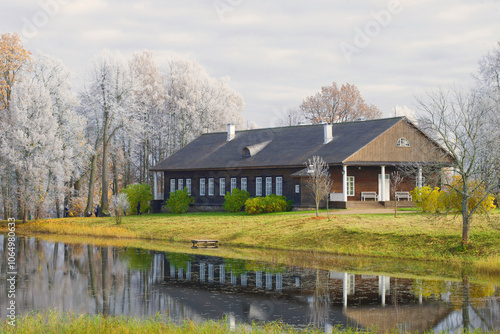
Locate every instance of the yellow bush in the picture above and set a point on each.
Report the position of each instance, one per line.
(428, 199)
(454, 199)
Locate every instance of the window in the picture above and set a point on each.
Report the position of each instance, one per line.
(188, 186)
(233, 184)
(172, 185)
(222, 186)
(202, 186)
(403, 142)
(211, 186)
(181, 184)
(279, 185)
(269, 185)
(244, 183)
(350, 186)
(258, 186)
(246, 153)
(297, 188)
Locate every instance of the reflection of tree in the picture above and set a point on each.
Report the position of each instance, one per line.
(137, 259)
(321, 300)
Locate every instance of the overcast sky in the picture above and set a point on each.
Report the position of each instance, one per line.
(276, 52)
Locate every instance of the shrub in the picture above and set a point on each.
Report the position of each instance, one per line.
(454, 199)
(234, 202)
(119, 204)
(271, 203)
(179, 201)
(138, 193)
(430, 200)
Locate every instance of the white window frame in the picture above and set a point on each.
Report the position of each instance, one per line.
(244, 183)
(279, 185)
(202, 186)
(403, 142)
(222, 186)
(269, 185)
(234, 184)
(211, 186)
(180, 184)
(188, 186)
(172, 185)
(297, 188)
(351, 191)
(258, 186)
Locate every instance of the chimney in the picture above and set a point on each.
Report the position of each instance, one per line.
(327, 131)
(230, 132)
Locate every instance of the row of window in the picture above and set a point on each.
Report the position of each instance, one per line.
(234, 184)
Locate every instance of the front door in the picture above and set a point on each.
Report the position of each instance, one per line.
(387, 189)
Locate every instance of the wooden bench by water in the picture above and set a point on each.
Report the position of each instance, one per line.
(205, 243)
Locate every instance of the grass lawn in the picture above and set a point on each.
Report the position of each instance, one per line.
(410, 236)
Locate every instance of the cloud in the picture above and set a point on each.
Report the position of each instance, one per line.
(83, 7)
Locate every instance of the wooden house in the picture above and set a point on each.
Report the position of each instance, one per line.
(273, 161)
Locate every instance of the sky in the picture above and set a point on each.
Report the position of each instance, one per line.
(276, 53)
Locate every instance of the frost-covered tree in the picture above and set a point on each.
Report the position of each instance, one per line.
(55, 77)
(198, 103)
(107, 101)
(32, 148)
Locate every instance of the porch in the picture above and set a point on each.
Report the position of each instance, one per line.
(369, 204)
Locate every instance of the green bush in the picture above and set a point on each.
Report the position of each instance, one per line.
(234, 202)
(179, 201)
(138, 192)
(271, 203)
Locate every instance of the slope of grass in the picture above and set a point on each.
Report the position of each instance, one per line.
(410, 236)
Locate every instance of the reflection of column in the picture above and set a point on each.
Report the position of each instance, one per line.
(269, 281)
(233, 278)
(383, 287)
(279, 282)
(210, 273)
(258, 279)
(344, 288)
(180, 273)
(202, 272)
(244, 279)
(172, 271)
(222, 274)
(297, 281)
(232, 321)
(188, 271)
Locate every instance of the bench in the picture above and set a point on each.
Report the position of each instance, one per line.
(203, 243)
(368, 194)
(402, 195)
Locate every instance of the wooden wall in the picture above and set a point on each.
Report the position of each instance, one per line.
(383, 148)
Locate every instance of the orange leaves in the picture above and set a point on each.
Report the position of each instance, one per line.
(12, 58)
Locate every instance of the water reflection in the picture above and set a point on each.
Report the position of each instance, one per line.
(108, 280)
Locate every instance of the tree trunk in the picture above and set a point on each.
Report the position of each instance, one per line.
(105, 179)
(90, 198)
(465, 213)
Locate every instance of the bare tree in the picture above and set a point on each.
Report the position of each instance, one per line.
(319, 181)
(289, 117)
(338, 105)
(461, 122)
(396, 179)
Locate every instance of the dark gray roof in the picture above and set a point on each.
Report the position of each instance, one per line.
(287, 146)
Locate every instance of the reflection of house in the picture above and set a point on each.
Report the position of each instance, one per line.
(271, 161)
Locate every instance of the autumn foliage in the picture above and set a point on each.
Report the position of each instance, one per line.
(335, 105)
(12, 59)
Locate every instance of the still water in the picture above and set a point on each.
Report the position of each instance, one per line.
(89, 279)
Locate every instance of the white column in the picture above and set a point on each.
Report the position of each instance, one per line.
(382, 185)
(419, 178)
(344, 289)
(155, 186)
(344, 183)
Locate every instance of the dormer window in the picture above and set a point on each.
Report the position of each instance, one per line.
(246, 153)
(403, 142)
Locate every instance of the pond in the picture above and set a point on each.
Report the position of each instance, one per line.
(90, 279)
